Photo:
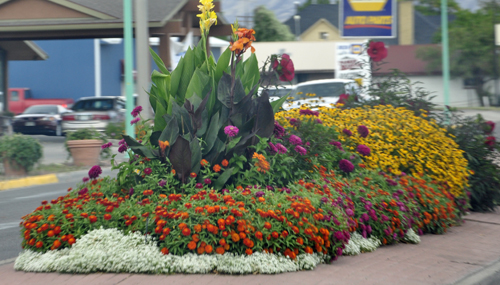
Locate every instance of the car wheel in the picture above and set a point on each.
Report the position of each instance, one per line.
(59, 130)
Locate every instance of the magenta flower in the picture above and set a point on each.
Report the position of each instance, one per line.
(295, 140)
(308, 112)
(363, 150)
(346, 166)
(122, 141)
(363, 131)
(148, 171)
(95, 171)
(231, 131)
(272, 148)
(294, 122)
(85, 179)
(83, 191)
(106, 145)
(122, 148)
(377, 51)
(281, 148)
(162, 183)
(207, 181)
(131, 191)
(198, 186)
(284, 68)
(300, 150)
(278, 131)
(337, 144)
(347, 132)
(259, 194)
(134, 121)
(136, 111)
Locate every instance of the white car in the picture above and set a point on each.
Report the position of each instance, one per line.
(324, 92)
(277, 92)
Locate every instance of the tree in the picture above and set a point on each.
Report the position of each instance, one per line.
(472, 49)
(268, 28)
(433, 7)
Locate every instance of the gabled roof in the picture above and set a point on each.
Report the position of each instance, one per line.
(312, 13)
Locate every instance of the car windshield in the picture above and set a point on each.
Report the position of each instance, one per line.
(42, 109)
(93, 105)
(332, 89)
(280, 92)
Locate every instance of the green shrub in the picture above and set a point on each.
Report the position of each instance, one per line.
(23, 150)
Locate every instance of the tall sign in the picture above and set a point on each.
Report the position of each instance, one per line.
(352, 62)
(367, 18)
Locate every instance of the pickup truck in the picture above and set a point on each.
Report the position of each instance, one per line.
(20, 98)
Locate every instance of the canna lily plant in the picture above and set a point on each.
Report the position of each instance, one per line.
(194, 103)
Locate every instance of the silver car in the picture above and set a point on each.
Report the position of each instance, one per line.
(94, 112)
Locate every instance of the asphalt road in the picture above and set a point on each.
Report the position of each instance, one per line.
(16, 203)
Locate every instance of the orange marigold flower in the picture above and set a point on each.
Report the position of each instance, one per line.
(201, 250)
(225, 163)
(191, 245)
(248, 251)
(197, 228)
(261, 164)
(186, 231)
(204, 162)
(216, 168)
(164, 250)
(208, 249)
(220, 250)
(235, 237)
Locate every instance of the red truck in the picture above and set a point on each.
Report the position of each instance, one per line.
(20, 98)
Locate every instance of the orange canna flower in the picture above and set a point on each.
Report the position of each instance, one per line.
(245, 39)
(163, 144)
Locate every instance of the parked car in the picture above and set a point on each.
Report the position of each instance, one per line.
(40, 119)
(275, 93)
(18, 99)
(323, 92)
(94, 112)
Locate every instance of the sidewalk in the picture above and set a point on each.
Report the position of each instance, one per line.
(467, 254)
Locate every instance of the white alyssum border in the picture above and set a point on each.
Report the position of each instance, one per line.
(411, 237)
(109, 250)
(358, 244)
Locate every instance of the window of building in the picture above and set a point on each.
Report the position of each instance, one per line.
(323, 35)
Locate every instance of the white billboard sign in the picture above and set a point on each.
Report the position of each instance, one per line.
(352, 62)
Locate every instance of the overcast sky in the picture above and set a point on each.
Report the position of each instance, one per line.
(469, 4)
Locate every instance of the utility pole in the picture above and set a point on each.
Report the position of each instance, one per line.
(446, 57)
(128, 51)
(142, 57)
(496, 100)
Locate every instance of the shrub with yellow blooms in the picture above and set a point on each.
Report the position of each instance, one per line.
(399, 142)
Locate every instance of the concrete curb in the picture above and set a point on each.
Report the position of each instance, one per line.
(29, 181)
(49, 178)
(482, 275)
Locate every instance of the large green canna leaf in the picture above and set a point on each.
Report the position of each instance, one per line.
(222, 64)
(198, 83)
(224, 90)
(160, 123)
(276, 105)
(195, 155)
(176, 78)
(187, 74)
(138, 148)
(211, 134)
(223, 178)
(158, 62)
(251, 73)
(171, 131)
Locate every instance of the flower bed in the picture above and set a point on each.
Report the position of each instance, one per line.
(217, 185)
(399, 142)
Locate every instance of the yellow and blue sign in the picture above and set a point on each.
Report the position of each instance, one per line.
(367, 18)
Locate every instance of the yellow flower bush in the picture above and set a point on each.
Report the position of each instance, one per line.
(399, 141)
